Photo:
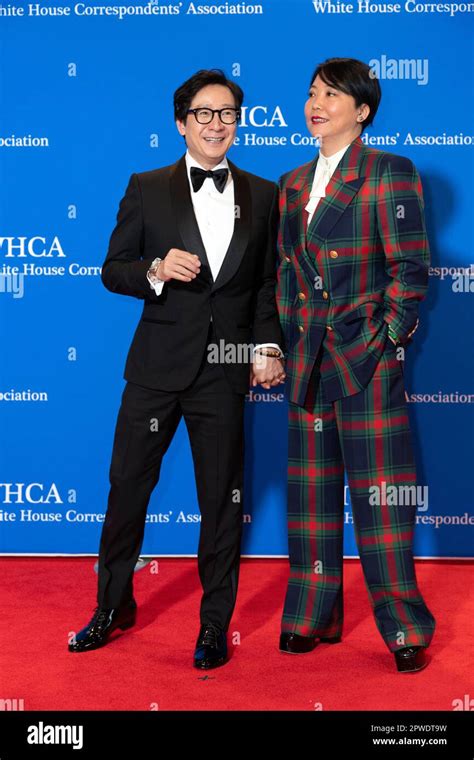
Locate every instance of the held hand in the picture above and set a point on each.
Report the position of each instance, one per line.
(266, 371)
(179, 265)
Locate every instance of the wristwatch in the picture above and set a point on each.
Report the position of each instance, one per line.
(152, 277)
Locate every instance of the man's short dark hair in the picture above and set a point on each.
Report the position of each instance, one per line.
(184, 94)
(354, 78)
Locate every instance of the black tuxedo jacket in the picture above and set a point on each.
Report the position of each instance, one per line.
(157, 214)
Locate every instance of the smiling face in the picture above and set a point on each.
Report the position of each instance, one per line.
(333, 117)
(208, 143)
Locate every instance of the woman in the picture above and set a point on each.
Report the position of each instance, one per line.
(353, 268)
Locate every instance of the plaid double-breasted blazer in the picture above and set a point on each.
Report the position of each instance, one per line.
(361, 265)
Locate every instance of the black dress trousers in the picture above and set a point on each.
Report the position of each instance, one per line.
(146, 424)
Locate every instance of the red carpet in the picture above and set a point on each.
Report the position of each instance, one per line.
(150, 666)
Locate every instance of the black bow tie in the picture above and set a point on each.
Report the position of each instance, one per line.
(199, 175)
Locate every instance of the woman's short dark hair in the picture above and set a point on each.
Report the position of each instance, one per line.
(184, 94)
(354, 78)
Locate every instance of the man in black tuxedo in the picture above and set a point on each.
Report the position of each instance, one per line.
(196, 241)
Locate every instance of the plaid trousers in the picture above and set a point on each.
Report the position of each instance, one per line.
(368, 436)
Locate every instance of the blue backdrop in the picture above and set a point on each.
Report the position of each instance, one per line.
(86, 99)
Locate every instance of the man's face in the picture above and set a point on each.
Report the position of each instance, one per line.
(208, 143)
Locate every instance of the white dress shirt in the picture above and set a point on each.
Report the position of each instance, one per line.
(215, 214)
(325, 168)
(215, 217)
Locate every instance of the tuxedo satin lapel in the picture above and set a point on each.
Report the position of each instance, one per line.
(340, 191)
(242, 227)
(185, 216)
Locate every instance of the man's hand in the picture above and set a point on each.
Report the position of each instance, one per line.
(179, 265)
(266, 371)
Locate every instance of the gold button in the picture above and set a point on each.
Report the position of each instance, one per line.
(301, 296)
(333, 254)
(301, 328)
(287, 258)
(325, 295)
(328, 327)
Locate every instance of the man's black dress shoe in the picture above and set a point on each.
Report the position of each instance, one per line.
(105, 620)
(211, 647)
(411, 659)
(293, 643)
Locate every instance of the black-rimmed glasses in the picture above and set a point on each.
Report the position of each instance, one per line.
(206, 115)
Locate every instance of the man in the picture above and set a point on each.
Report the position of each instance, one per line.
(197, 242)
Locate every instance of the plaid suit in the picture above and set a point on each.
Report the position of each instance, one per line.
(361, 265)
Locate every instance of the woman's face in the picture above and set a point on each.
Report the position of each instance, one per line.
(331, 114)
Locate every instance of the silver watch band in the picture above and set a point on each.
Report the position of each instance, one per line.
(151, 274)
